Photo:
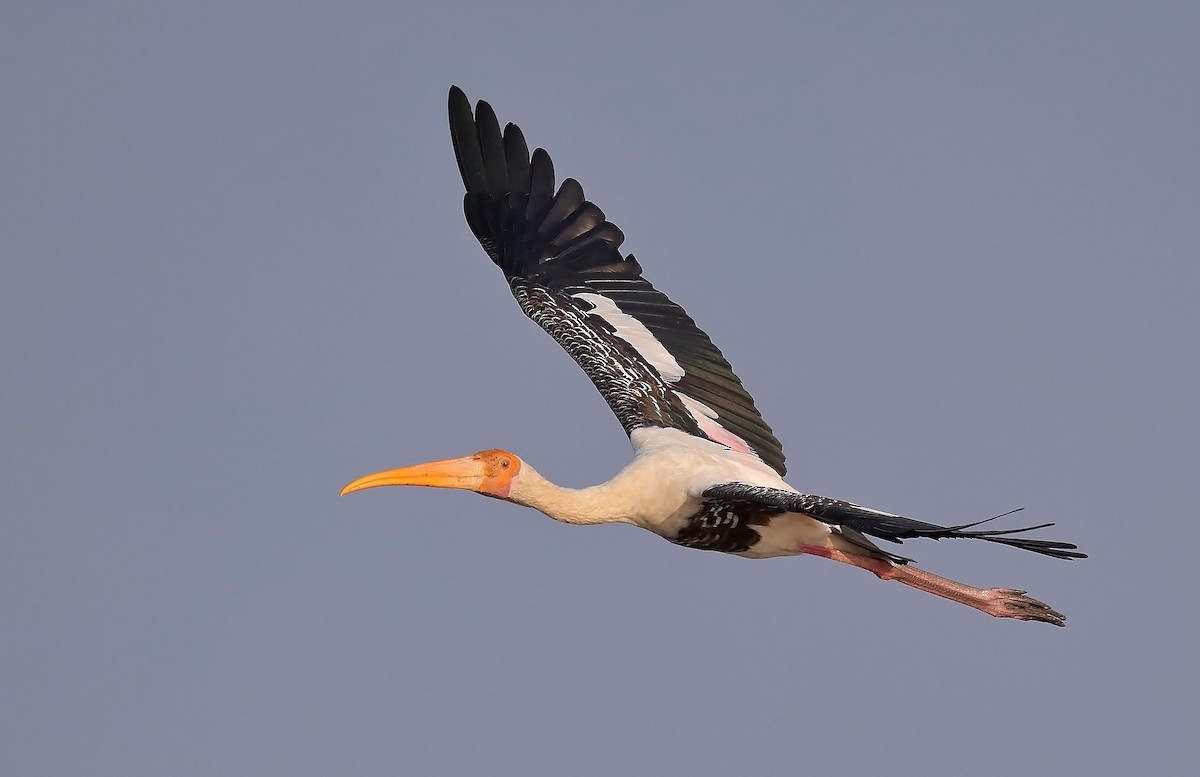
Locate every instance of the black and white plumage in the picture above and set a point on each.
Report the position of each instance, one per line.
(562, 260)
(707, 471)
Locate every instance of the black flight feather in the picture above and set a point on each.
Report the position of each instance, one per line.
(556, 245)
(893, 528)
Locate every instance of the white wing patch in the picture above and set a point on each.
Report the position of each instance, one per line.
(706, 417)
(649, 348)
(636, 334)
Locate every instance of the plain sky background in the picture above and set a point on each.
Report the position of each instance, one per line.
(951, 249)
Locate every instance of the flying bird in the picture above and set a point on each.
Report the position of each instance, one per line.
(707, 471)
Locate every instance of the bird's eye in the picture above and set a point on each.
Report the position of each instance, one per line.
(504, 463)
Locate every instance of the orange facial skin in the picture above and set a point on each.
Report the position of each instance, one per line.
(488, 472)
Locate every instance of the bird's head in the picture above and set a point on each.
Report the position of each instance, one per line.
(490, 473)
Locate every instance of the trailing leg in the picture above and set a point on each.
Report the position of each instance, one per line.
(999, 602)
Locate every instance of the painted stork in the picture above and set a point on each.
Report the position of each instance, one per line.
(707, 471)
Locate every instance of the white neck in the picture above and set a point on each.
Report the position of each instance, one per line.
(611, 502)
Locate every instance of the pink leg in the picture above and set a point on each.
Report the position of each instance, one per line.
(1000, 602)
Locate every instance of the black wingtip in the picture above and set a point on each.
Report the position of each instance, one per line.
(896, 528)
(1064, 550)
(463, 134)
(1052, 548)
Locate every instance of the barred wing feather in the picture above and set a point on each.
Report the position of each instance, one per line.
(562, 260)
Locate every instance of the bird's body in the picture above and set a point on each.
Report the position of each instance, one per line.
(660, 490)
(707, 471)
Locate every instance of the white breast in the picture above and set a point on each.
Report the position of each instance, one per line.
(672, 469)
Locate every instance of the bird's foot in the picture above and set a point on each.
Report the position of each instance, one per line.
(1011, 603)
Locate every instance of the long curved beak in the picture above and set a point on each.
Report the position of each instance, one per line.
(465, 473)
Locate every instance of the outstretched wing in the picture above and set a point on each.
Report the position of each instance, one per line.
(853, 521)
(562, 259)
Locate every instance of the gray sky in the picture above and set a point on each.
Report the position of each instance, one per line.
(951, 249)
